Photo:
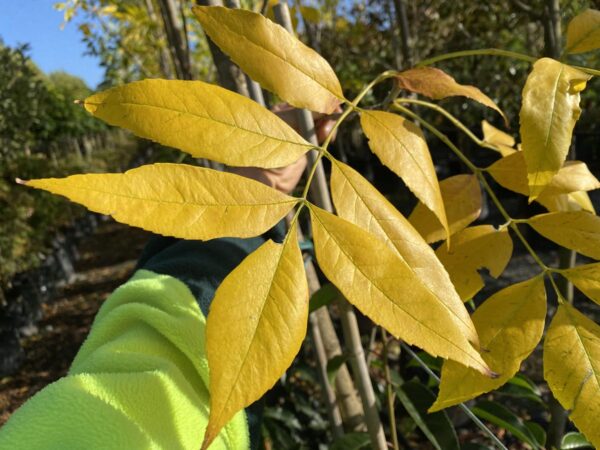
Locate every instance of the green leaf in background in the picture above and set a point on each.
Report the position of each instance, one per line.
(520, 386)
(352, 441)
(574, 441)
(416, 399)
(333, 366)
(538, 432)
(323, 297)
(501, 416)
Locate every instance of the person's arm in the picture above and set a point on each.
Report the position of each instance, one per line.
(140, 379)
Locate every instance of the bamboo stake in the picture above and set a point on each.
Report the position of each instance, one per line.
(319, 194)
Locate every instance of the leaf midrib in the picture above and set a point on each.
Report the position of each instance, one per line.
(200, 117)
(478, 364)
(159, 201)
(398, 251)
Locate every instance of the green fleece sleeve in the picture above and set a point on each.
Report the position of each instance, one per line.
(138, 382)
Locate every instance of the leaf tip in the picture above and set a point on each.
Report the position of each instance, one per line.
(209, 437)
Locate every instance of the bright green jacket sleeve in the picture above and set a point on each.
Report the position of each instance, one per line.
(138, 382)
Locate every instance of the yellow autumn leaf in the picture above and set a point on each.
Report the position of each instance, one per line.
(503, 142)
(273, 57)
(255, 328)
(577, 230)
(177, 200)
(374, 278)
(201, 119)
(473, 249)
(401, 146)
(510, 325)
(572, 368)
(573, 176)
(462, 200)
(573, 201)
(583, 32)
(586, 278)
(437, 84)
(357, 201)
(510, 172)
(548, 115)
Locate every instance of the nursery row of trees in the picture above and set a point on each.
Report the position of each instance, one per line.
(42, 131)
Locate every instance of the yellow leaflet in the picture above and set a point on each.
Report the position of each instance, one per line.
(462, 201)
(572, 368)
(573, 201)
(503, 142)
(583, 32)
(577, 230)
(177, 200)
(273, 57)
(510, 172)
(573, 176)
(548, 114)
(473, 249)
(587, 279)
(437, 84)
(510, 324)
(401, 146)
(201, 119)
(380, 284)
(357, 201)
(255, 327)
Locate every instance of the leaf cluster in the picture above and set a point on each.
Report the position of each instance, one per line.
(378, 259)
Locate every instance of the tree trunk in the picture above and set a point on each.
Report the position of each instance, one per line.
(230, 76)
(552, 49)
(163, 54)
(402, 23)
(175, 36)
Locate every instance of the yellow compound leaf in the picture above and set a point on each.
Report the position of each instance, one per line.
(586, 278)
(473, 249)
(503, 142)
(548, 114)
(462, 201)
(201, 119)
(437, 84)
(374, 278)
(510, 172)
(357, 201)
(510, 325)
(583, 32)
(177, 200)
(577, 230)
(273, 57)
(401, 146)
(572, 368)
(255, 328)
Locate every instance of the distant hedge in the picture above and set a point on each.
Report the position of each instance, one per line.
(44, 134)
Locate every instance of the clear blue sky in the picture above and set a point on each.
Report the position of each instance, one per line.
(37, 23)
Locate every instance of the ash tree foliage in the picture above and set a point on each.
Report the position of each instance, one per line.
(379, 260)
